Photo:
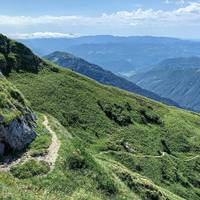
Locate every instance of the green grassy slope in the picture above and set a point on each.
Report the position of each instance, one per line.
(114, 145)
(81, 175)
(119, 135)
(97, 73)
(20, 189)
(12, 102)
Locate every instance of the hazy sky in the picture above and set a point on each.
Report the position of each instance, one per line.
(62, 18)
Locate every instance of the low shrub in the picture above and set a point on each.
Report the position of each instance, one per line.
(3, 63)
(40, 145)
(106, 184)
(54, 69)
(168, 171)
(145, 189)
(76, 161)
(148, 116)
(118, 113)
(73, 118)
(194, 180)
(112, 146)
(166, 147)
(30, 168)
(182, 180)
(15, 94)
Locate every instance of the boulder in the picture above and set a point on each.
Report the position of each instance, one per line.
(18, 133)
(2, 148)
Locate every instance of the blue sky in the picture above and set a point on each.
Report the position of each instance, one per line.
(78, 7)
(63, 18)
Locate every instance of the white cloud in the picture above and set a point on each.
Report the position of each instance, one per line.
(185, 15)
(41, 35)
(46, 19)
(176, 1)
(193, 8)
(121, 17)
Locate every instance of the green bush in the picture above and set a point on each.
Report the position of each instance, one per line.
(165, 145)
(12, 60)
(15, 94)
(73, 118)
(81, 160)
(117, 113)
(145, 189)
(3, 44)
(76, 161)
(106, 184)
(41, 144)
(3, 63)
(168, 171)
(182, 180)
(148, 116)
(112, 146)
(30, 168)
(12, 103)
(54, 69)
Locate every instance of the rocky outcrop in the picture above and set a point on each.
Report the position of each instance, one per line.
(16, 119)
(15, 56)
(17, 134)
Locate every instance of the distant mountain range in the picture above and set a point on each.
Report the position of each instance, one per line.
(119, 54)
(177, 79)
(102, 76)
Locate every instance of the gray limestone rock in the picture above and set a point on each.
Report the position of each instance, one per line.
(18, 133)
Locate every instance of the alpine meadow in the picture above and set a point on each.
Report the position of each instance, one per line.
(74, 129)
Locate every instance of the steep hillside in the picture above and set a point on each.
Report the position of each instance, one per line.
(16, 120)
(15, 56)
(99, 74)
(177, 79)
(119, 54)
(180, 63)
(114, 144)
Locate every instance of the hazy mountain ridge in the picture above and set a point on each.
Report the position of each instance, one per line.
(119, 54)
(180, 63)
(176, 78)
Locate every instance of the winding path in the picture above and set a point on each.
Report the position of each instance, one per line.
(50, 157)
(53, 149)
(148, 156)
(135, 155)
(193, 158)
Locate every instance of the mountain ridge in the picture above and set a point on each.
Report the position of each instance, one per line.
(176, 78)
(99, 74)
(119, 54)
